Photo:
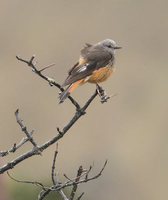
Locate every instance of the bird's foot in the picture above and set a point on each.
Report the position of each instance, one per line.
(101, 92)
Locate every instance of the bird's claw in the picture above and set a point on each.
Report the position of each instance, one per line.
(101, 92)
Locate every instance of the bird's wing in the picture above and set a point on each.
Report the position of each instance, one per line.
(93, 60)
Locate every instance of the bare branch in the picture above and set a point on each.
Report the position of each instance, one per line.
(24, 129)
(74, 188)
(67, 184)
(43, 194)
(29, 182)
(49, 80)
(53, 165)
(70, 180)
(51, 65)
(60, 134)
(82, 174)
(56, 182)
(63, 195)
(16, 146)
(80, 196)
(59, 186)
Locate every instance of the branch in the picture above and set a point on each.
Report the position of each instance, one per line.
(80, 196)
(67, 184)
(29, 182)
(58, 187)
(24, 129)
(49, 80)
(80, 170)
(38, 149)
(56, 182)
(44, 146)
(53, 166)
(16, 146)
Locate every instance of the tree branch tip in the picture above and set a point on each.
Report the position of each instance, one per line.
(80, 167)
(11, 176)
(80, 196)
(67, 177)
(60, 132)
(91, 166)
(44, 68)
(14, 145)
(104, 166)
(17, 111)
(18, 57)
(32, 58)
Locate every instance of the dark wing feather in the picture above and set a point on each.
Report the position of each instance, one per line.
(95, 58)
(70, 71)
(76, 75)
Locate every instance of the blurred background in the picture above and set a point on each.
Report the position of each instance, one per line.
(131, 130)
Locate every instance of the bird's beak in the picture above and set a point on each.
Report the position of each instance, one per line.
(117, 47)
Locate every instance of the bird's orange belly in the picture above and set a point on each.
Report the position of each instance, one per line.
(101, 75)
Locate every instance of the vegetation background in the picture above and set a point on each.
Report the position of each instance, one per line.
(131, 130)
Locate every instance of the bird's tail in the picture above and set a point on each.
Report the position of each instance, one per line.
(65, 94)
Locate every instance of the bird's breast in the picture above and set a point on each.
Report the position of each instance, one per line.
(101, 74)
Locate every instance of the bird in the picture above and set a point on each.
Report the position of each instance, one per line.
(95, 65)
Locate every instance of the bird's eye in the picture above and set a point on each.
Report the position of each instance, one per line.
(109, 46)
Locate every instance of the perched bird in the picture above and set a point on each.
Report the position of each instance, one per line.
(95, 65)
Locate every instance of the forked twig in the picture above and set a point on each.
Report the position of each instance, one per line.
(24, 129)
(16, 146)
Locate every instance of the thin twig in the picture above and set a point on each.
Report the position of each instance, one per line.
(16, 146)
(67, 184)
(24, 129)
(87, 173)
(29, 182)
(84, 174)
(43, 194)
(53, 165)
(80, 196)
(51, 65)
(63, 195)
(59, 186)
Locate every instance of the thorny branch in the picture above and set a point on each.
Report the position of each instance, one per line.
(81, 177)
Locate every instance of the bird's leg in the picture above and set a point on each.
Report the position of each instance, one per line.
(102, 93)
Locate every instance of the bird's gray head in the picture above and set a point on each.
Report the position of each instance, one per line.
(109, 45)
